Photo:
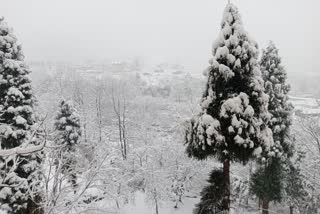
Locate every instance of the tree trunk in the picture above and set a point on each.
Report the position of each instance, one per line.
(157, 208)
(156, 201)
(99, 116)
(85, 131)
(291, 209)
(226, 175)
(259, 202)
(265, 206)
(249, 178)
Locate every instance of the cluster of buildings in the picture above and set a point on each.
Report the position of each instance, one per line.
(305, 106)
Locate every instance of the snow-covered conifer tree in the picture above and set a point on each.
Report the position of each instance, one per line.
(232, 123)
(17, 127)
(270, 188)
(211, 196)
(267, 183)
(296, 193)
(280, 108)
(68, 128)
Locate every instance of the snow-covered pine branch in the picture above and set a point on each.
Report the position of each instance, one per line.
(22, 151)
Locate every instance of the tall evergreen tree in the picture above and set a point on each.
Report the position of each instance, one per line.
(296, 194)
(211, 196)
(232, 123)
(275, 77)
(68, 128)
(17, 122)
(268, 181)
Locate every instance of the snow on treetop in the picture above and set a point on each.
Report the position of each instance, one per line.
(8, 42)
(3, 25)
(232, 32)
(231, 15)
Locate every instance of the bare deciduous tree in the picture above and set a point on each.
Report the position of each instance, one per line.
(119, 104)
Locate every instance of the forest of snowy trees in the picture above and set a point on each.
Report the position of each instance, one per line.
(70, 144)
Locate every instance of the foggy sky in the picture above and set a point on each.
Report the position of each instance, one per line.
(180, 31)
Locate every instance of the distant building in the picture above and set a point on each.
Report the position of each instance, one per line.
(305, 106)
(118, 66)
(91, 74)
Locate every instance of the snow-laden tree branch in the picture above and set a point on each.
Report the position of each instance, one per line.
(22, 151)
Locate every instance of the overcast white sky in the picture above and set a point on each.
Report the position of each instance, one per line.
(175, 30)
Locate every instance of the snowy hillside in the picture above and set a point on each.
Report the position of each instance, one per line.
(160, 107)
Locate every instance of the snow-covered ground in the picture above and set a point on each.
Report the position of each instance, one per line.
(141, 207)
